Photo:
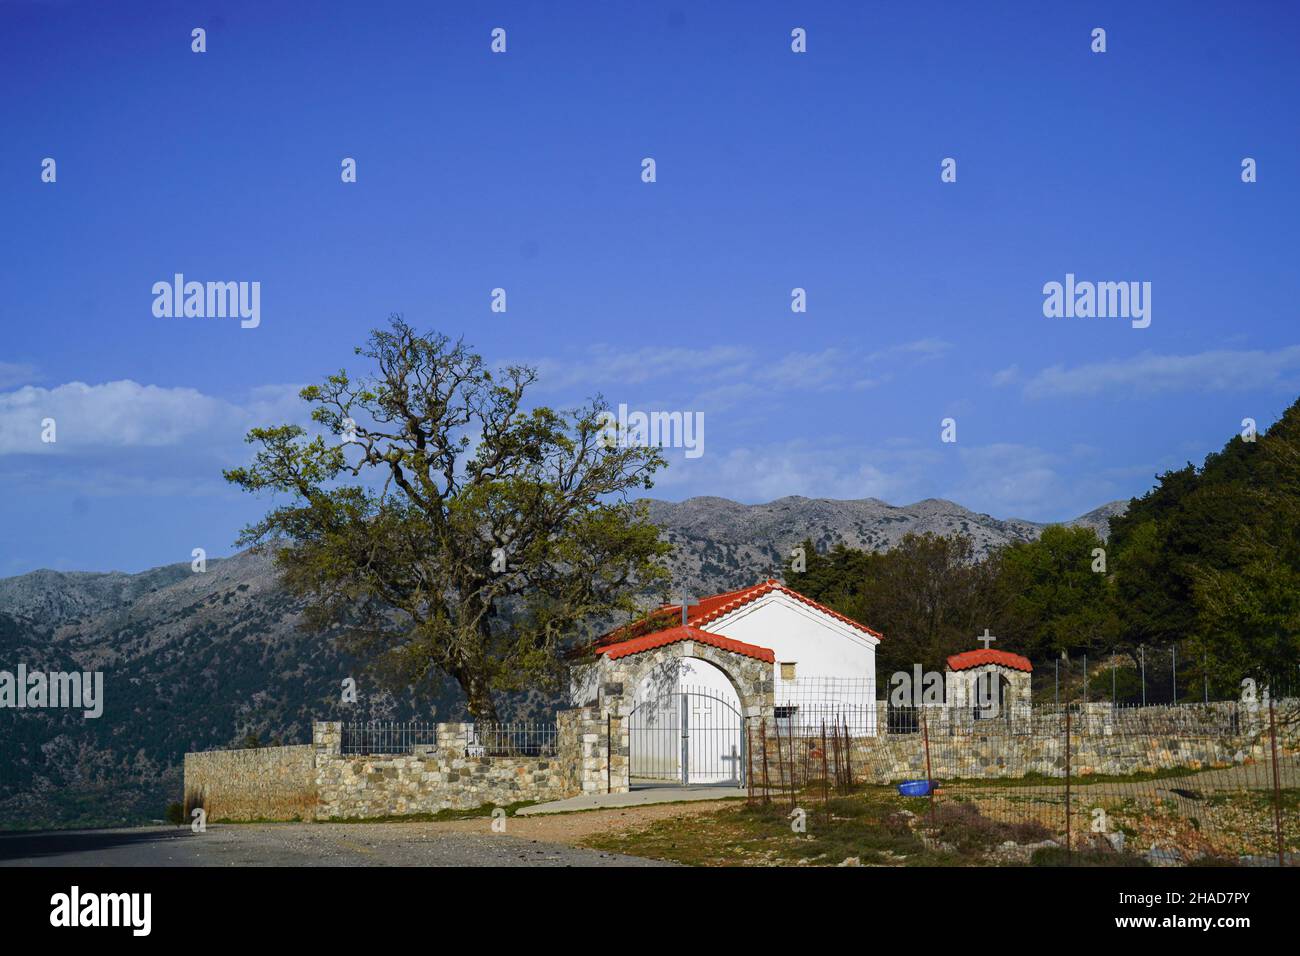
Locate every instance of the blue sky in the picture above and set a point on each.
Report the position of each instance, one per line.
(522, 171)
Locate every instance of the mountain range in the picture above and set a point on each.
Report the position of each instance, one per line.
(195, 661)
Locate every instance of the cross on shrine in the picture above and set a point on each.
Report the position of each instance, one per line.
(687, 603)
(986, 637)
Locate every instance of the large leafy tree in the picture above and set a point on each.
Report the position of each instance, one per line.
(1248, 600)
(1055, 602)
(1210, 559)
(927, 595)
(444, 526)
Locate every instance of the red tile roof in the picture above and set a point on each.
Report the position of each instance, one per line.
(719, 605)
(672, 635)
(987, 655)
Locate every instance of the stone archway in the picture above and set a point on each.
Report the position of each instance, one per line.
(750, 677)
(622, 669)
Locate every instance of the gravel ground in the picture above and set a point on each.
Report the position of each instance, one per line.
(527, 841)
(576, 827)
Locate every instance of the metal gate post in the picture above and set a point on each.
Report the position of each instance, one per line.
(741, 773)
(686, 737)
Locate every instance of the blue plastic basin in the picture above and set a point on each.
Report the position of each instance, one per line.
(915, 788)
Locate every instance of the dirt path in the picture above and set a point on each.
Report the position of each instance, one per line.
(572, 828)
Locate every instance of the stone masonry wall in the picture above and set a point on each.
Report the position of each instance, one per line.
(1142, 739)
(269, 783)
(357, 787)
(586, 738)
(318, 781)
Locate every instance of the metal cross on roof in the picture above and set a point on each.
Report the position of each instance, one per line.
(687, 602)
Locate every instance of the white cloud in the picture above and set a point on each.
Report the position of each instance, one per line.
(606, 365)
(774, 471)
(127, 415)
(1221, 370)
(1007, 376)
(732, 374)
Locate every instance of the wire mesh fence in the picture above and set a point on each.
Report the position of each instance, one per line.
(1166, 785)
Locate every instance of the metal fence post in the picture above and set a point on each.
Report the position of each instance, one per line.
(1277, 784)
(826, 792)
(762, 733)
(929, 779)
(1142, 652)
(848, 760)
(1068, 847)
(749, 755)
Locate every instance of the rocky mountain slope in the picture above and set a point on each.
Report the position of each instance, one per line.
(720, 544)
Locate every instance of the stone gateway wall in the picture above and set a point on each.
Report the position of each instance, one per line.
(269, 783)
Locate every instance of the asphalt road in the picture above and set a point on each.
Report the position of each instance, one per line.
(296, 844)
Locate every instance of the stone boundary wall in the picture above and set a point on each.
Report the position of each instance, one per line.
(359, 787)
(1138, 740)
(318, 782)
(268, 783)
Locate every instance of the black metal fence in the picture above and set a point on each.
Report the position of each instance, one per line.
(387, 737)
(376, 738)
(514, 739)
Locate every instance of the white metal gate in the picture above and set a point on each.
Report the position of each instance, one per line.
(688, 737)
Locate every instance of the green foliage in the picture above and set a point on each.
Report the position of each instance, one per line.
(928, 595)
(1053, 601)
(1088, 856)
(445, 528)
(1211, 557)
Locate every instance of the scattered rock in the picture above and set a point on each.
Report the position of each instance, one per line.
(1164, 856)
